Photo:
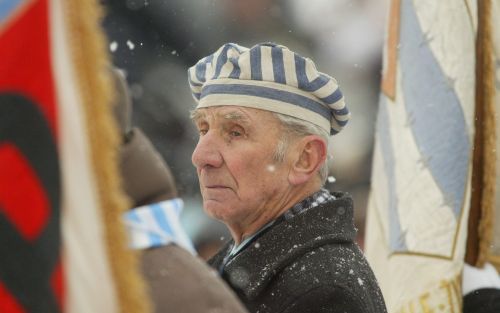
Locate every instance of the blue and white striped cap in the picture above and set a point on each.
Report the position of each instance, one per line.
(269, 77)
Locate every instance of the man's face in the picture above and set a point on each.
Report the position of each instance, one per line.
(234, 160)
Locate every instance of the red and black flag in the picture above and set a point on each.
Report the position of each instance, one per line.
(30, 187)
(62, 247)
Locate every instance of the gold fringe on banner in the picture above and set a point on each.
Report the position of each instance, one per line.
(495, 260)
(481, 217)
(88, 48)
(443, 297)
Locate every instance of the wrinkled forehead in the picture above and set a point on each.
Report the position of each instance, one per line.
(233, 113)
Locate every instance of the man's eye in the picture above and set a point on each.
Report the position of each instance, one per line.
(235, 133)
(202, 131)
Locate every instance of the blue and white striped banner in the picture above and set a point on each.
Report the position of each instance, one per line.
(156, 225)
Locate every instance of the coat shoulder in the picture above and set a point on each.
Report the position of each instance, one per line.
(330, 278)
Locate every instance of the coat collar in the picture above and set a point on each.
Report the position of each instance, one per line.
(252, 269)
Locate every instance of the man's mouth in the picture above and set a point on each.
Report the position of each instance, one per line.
(216, 187)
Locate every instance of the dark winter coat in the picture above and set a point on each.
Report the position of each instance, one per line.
(309, 263)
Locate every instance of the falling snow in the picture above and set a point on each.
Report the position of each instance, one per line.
(331, 179)
(113, 46)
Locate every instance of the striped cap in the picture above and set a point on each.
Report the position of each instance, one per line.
(269, 77)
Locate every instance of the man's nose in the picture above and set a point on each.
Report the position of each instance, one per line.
(207, 152)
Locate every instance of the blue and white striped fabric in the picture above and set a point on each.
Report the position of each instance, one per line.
(269, 77)
(157, 225)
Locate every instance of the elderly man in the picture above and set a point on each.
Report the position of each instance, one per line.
(264, 115)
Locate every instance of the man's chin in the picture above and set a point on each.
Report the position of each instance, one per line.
(217, 210)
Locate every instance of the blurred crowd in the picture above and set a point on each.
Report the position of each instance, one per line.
(155, 41)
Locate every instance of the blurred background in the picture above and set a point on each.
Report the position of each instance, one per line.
(156, 41)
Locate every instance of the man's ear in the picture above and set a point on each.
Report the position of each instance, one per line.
(310, 155)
